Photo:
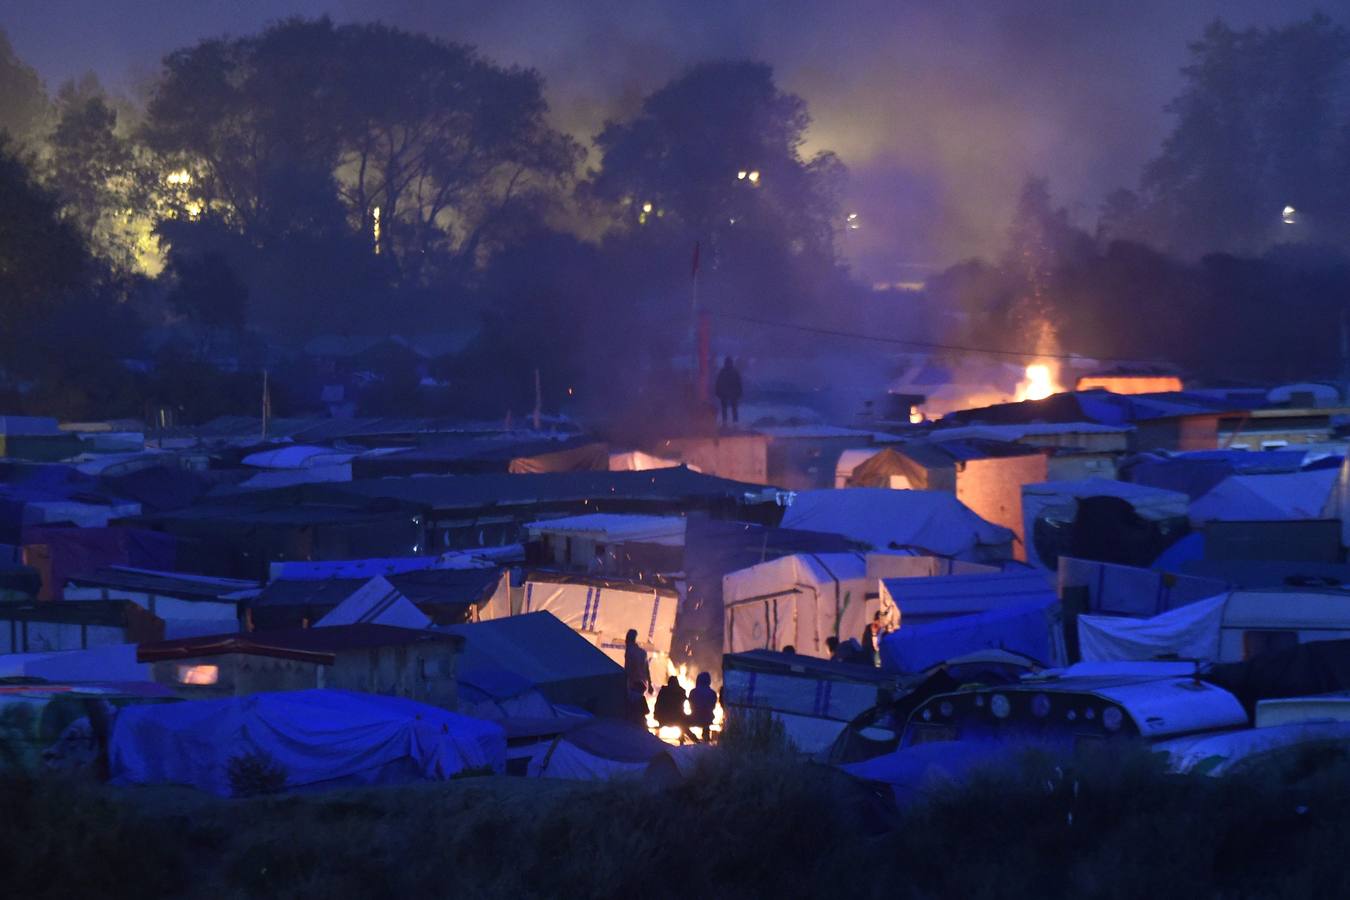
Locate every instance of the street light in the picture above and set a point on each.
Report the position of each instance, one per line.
(753, 177)
(852, 222)
(1289, 215)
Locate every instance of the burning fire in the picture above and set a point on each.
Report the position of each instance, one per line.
(1038, 384)
(672, 734)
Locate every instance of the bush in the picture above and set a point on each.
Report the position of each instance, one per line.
(255, 774)
(757, 732)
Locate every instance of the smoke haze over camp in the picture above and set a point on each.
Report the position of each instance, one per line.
(940, 111)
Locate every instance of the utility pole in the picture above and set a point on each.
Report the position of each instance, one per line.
(266, 405)
(538, 401)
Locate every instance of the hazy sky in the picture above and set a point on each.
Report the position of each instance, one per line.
(940, 109)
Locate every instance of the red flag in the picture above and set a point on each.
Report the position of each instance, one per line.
(693, 272)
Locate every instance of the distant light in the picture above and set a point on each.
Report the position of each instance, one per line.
(852, 222)
(1289, 215)
(754, 177)
(198, 674)
(182, 176)
(375, 227)
(740, 176)
(731, 221)
(646, 207)
(194, 209)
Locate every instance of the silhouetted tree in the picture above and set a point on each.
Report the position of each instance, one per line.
(1261, 125)
(23, 100)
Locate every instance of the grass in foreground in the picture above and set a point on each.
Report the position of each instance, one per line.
(748, 823)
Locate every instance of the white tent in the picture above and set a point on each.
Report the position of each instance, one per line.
(1059, 499)
(931, 522)
(604, 611)
(797, 600)
(802, 599)
(377, 602)
(919, 600)
(316, 737)
(1268, 498)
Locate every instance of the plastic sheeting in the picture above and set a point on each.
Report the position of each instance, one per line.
(1267, 498)
(318, 737)
(607, 612)
(1190, 632)
(377, 602)
(597, 750)
(927, 521)
(1030, 629)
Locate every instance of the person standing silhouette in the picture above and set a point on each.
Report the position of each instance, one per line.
(728, 390)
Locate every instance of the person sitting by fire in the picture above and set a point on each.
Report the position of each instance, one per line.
(669, 710)
(703, 705)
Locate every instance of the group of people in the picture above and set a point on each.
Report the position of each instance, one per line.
(669, 710)
(866, 652)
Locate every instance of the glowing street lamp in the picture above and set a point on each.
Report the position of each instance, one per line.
(1289, 215)
(741, 175)
(753, 176)
(852, 222)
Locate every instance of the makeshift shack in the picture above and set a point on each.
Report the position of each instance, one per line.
(376, 602)
(1034, 630)
(446, 596)
(927, 522)
(314, 737)
(75, 625)
(378, 659)
(190, 605)
(537, 647)
(985, 475)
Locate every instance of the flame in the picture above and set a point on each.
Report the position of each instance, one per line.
(671, 734)
(1040, 382)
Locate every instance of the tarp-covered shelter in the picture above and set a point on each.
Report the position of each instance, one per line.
(1265, 498)
(1030, 629)
(565, 667)
(1129, 590)
(597, 750)
(317, 737)
(1229, 627)
(914, 601)
(378, 602)
(930, 522)
(1052, 515)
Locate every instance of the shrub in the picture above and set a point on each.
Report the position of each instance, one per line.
(254, 774)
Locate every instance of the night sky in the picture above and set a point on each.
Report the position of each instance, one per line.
(940, 110)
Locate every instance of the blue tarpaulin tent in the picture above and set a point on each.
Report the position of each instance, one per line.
(319, 737)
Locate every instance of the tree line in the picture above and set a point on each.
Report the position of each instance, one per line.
(352, 179)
